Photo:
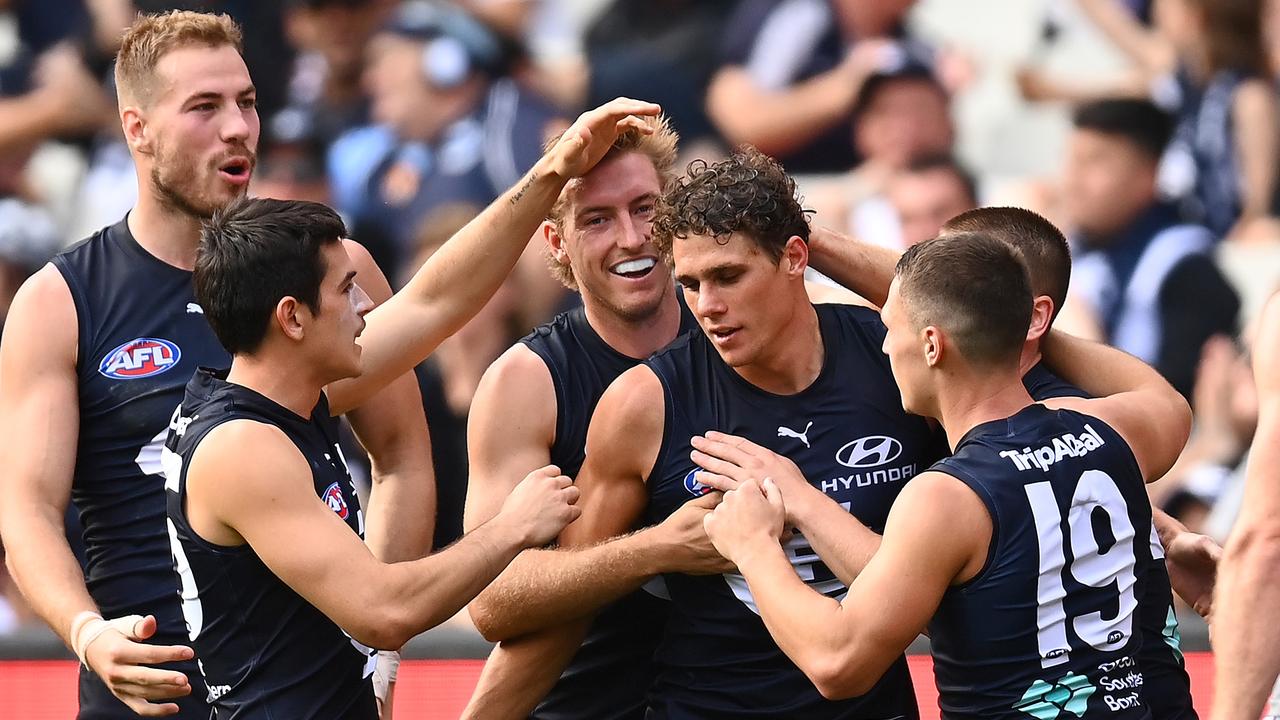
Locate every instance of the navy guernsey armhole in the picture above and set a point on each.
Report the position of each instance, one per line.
(978, 489)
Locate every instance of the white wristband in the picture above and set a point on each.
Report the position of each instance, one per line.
(384, 673)
(93, 628)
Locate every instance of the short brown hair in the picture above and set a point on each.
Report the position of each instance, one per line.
(659, 146)
(151, 37)
(975, 288)
(748, 193)
(1041, 244)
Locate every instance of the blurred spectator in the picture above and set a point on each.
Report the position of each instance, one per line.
(902, 117)
(1149, 277)
(1207, 60)
(931, 191)
(1226, 415)
(663, 51)
(1227, 109)
(453, 127)
(325, 96)
(793, 74)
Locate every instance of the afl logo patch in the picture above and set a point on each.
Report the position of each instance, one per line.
(694, 487)
(140, 358)
(333, 498)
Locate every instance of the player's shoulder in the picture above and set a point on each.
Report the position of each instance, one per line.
(939, 490)
(636, 395)
(516, 394)
(44, 308)
(518, 371)
(243, 446)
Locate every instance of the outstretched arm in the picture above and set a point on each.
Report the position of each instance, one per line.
(468, 269)
(248, 483)
(938, 531)
(1246, 636)
(392, 427)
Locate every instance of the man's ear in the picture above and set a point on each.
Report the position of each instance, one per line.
(292, 317)
(1041, 317)
(133, 122)
(795, 256)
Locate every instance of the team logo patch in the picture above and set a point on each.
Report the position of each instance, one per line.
(333, 498)
(140, 358)
(694, 487)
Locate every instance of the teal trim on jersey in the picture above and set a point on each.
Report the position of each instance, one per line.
(1043, 701)
(1172, 636)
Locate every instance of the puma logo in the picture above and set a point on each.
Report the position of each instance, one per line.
(801, 436)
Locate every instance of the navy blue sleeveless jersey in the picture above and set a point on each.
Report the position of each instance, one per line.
(851, 438)
(1166, 686)
(610, 675)
(265, 652)
(141, 336)
(1048, 628)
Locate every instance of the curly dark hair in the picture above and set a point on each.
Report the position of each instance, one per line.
(748, 193)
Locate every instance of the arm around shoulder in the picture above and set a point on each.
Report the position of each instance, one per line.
(1129, 395)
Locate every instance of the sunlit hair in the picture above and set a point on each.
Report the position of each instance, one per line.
(151, 37)
(660, 147)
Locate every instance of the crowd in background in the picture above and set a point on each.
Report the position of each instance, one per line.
(408, 117)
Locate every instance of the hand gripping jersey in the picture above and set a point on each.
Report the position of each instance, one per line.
(1166, 686)
(1048, 628)
(265, 652)
(610, 675)
(851, 438)
(141, 336)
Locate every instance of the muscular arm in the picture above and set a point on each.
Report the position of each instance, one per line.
(1128, 395)
(39, 416)
(39, 413)
(393, 429)
(938, 531)
(248, 483)
(545, 588)
(466, 271)
(1246, 636)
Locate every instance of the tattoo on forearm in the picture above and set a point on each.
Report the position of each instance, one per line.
(523, 188)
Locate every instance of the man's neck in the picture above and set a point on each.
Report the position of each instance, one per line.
(1030, 357)
(278, 381)
(966, 399)
(164, 231)
(793, 360)
(640, 338)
